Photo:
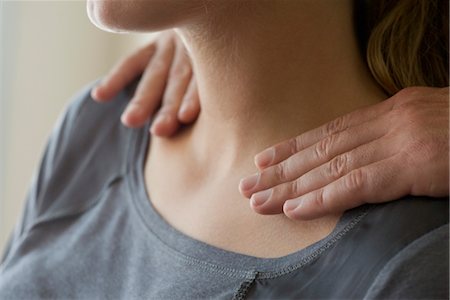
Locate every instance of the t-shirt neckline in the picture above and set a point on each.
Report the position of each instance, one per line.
(201, 253)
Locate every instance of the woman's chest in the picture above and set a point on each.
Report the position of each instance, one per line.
(212, 210)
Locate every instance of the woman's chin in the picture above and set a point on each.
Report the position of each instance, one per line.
(101, 14)
(140, 16)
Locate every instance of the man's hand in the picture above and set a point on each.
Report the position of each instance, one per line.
(377, 154)
(167, 80)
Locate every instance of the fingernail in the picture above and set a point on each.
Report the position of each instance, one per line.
(162, 119)
(249, 182)
(101, 83)
(183, 109)
(132, 108)
(261, 197)
(291, 205)
(94, 93)
(265, 158)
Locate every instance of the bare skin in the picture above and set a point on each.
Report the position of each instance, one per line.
(346, 163)
(420, 149)
(167, 79)
(245, 108)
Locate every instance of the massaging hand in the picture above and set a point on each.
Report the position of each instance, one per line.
(166, 74)
(376, 154)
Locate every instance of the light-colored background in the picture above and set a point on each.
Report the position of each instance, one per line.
(48, 50)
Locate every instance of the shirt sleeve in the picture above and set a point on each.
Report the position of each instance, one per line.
(419, 271)
(36, 204)
(86, 151)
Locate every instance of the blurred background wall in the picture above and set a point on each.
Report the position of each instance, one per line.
(48, 50)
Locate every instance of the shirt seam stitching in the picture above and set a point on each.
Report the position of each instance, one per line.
(231, 272)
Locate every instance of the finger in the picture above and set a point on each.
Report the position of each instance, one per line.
(166, 122)
(190, 107)
(313, 156)
(151, 87)
(272, 202)
(283, 150)
(123, 73)
(370, 184)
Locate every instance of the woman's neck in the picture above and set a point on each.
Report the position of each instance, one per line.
(264, 74)
(270, 70)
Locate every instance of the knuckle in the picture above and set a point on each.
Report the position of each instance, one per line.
(281, 172)
(159, 67)
(323, 148)
(337, 167)
(407, 93)
(294, 189)
(335, 126)
(354, 181)
(408, 115)
(181, 72)
(412, 98)
(294, 145)
(319, 199)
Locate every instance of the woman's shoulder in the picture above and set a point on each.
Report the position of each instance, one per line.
(385, 252)
(84, 118)
(419, 271)
(86, 150)
(86, 153)
(409, 243)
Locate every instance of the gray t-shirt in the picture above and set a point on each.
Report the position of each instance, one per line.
(89, 231)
